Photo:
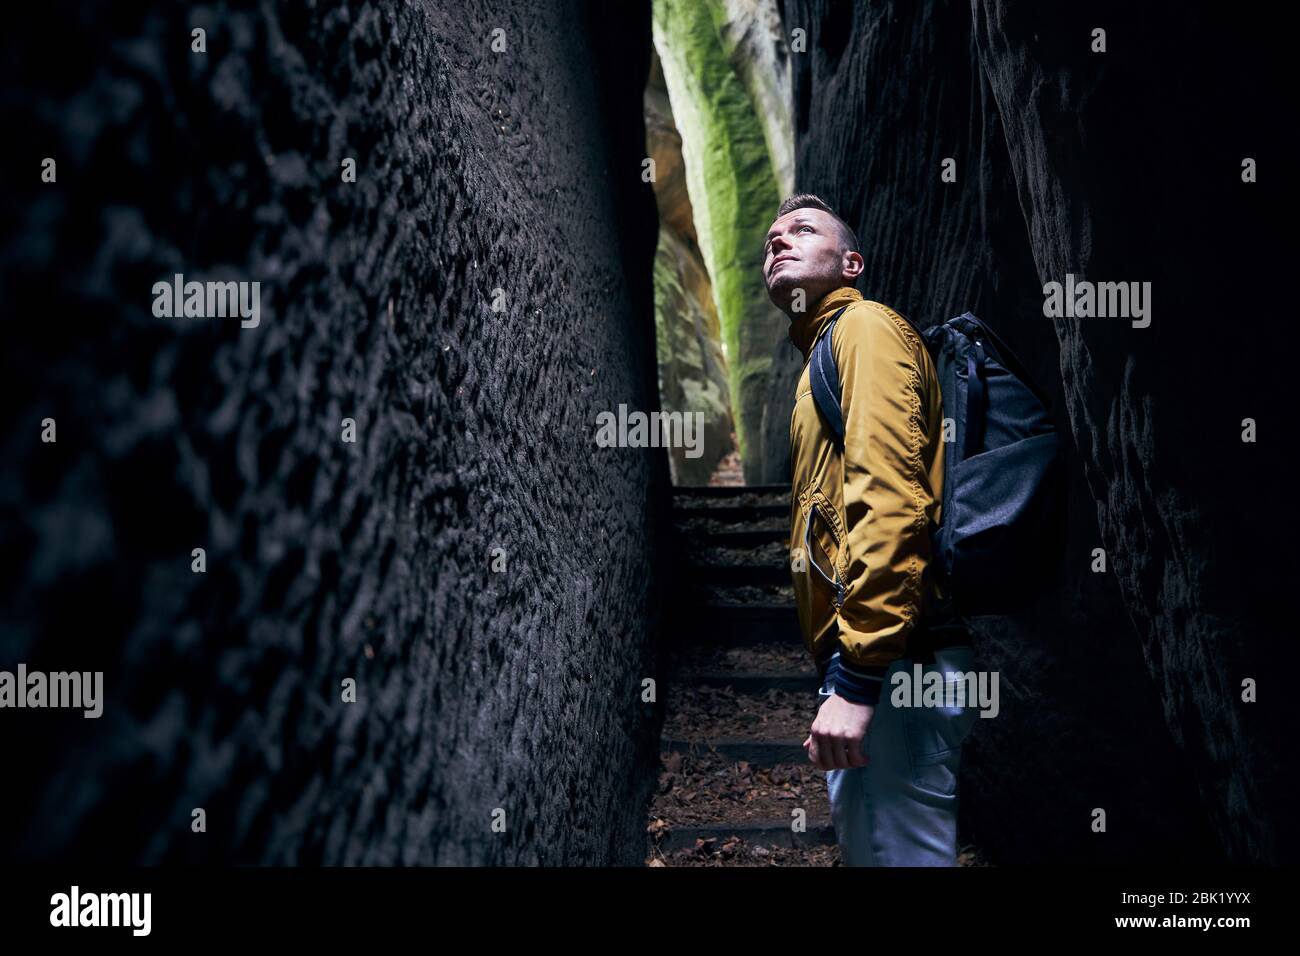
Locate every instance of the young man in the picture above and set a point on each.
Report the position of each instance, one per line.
(860, 550)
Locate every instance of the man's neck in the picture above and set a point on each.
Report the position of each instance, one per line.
(806, 326)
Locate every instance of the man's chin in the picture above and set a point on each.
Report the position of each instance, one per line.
(781, 289)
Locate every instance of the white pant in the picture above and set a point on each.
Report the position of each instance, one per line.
(901, 808)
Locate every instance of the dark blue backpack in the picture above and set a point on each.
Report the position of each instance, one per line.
(1002, 537)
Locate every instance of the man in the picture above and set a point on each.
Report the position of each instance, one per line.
(869, 607)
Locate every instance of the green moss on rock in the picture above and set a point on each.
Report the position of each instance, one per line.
(733, 192)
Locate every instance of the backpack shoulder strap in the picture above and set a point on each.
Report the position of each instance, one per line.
(825, 380)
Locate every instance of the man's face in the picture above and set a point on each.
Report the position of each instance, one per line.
(802, 251)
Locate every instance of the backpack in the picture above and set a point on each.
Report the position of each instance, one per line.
(1002, 537)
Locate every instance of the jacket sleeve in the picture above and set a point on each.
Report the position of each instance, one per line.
(885, 491)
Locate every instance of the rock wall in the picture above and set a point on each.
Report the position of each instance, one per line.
(1134, 171)
(692, 368)
(1123, 692)
(485, 574)
(753, 42)
(733, 192)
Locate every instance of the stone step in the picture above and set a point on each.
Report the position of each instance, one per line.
(722, 622)
(733, 513)
(734, 539)
(752, 683)
(760, 833)
(762, 753)
(728, 491)
(730, 575)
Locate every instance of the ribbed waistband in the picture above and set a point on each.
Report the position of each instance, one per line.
(930, 634)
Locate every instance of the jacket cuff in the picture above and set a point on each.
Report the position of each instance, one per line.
(856, 683)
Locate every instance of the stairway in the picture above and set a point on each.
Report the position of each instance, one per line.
(741, 694)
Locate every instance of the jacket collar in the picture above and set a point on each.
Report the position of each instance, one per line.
(805, 328)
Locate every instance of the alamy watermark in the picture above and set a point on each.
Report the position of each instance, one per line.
(208, 300)
(75, 689)
(652, 430)
(1103, 300)
(75, 908)
(951, 689)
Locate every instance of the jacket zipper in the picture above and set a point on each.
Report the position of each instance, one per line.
(807, 533)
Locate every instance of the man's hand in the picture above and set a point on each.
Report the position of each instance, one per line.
(835, 742)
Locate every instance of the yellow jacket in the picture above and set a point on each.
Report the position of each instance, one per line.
(865, 514)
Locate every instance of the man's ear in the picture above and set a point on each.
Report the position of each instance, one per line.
(851, 266)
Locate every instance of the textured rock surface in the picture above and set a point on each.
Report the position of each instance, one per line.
(692, 369)
(754, 43)
(477, 171)
(733, 193)
(1124, 166)
(1134, 171)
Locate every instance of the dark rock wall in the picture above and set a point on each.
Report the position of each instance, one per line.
(1134, 171)
(1123, 691)
(477, 689)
